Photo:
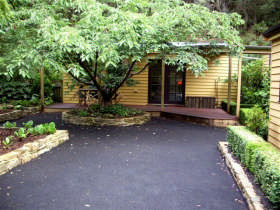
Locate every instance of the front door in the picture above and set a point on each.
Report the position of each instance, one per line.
(174, 88)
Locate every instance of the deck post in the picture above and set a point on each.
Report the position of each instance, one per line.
(229, 83)
(42, 88)
(162, 83)
(239, 86)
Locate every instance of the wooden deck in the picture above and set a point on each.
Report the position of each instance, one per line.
(211, 117)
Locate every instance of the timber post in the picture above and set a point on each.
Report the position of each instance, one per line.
(229, 83)
(239, 86)
(162, 84)
(42, 97)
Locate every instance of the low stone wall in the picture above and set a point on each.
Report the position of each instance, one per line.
(31, 150)
(98, 121)
(16, 114)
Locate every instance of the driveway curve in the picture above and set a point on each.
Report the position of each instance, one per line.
(164, 164)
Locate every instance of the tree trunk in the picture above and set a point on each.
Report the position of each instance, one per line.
(106, 99)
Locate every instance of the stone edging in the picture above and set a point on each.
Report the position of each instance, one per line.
(244, 184)
(31, 150)
(98, 121)
(16, 114)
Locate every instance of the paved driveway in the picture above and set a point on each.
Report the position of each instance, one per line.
(164, 164)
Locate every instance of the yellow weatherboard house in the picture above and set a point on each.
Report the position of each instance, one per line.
(180, 88)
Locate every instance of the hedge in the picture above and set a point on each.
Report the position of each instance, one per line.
(260, 157)
(244, 112)
(232, 109)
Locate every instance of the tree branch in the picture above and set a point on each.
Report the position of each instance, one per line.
(79, 79)
(127, 75)
(139, 72)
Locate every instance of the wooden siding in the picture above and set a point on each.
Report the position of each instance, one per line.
(274, 125)
(213, 82)
(138, 94)
(69, 89)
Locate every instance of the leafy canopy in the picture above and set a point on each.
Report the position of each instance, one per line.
(100, 42)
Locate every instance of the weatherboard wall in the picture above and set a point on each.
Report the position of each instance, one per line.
(274, 125)
(212, 84)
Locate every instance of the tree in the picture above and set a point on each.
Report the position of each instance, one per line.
(101, 42)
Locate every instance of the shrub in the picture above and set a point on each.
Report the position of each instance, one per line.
(244, 113)
(233, 106)
(256, 84)
(260, 157)
(116, 110)
(257, 121)
(14, 90)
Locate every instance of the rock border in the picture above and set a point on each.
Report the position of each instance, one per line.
(98, 121)
(31, 150)
(243, 182)
(16, 114)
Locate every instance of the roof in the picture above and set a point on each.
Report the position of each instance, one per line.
(272, 31)
(220, 45)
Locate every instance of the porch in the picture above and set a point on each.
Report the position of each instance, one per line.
(210, 117)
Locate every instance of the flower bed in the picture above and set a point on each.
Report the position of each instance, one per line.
(20, 145)
(13, 114)
(260, 157)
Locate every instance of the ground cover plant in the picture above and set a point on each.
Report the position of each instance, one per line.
(260, 157)
(111, 111)
(13, 137)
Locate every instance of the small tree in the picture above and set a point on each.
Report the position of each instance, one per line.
(99, 43)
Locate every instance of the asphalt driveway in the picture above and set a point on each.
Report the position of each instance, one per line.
(164, 164)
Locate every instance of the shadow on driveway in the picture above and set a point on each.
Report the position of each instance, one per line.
(164, 164)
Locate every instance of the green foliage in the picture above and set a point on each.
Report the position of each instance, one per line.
(260, 157)
(47, 128)
(112, 111)
(257, 121)
(9, 125)
(14, 91)
(82, 113)
(28, 124)
(3, 106)
(21, 133)
(4, 9)
(8, 141)
(256, 84)
(233, 106)
(244, 114)
(100, 42)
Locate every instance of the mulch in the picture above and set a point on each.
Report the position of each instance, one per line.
(17, 142)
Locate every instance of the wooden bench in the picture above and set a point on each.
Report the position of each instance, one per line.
(200, 102)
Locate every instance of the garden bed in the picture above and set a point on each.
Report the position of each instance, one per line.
(4, 132)
(113, 115)
(29, 148)
(13, 114)
(72, 118)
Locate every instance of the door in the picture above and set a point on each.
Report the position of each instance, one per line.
(174, 88)
(155, 82)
